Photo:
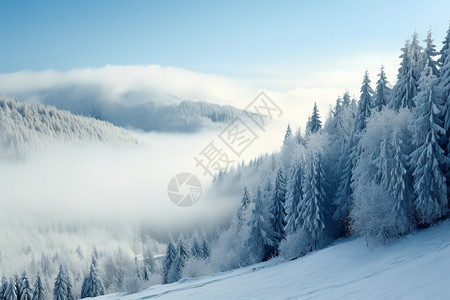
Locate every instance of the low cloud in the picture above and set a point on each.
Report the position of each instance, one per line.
(130, 84)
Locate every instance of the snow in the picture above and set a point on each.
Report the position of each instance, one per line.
(414, 267)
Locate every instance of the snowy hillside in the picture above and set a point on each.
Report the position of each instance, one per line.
(25, 127)
(415, 267)
(182, 116)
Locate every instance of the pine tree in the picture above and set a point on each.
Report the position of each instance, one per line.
(429, 55)
(406, 88)
(149, 264)
(206, 251)
(70, 295)
(287, 135)
(344, 195)
(383, 92)
(259, 241)
(294, 198)
(416, 56)
(3, 287)
(182, 255)
(60, 289)
(277, 209)
(399, 186)
(18, 285)
(63, 286)
(39, 291)
(171, 255)
(314, 201)
(315, 124)
(365, 104)
(245, 203)
(443, 91)
(196, 249)
(92, 283)
(444, 50)
(338, 107)
(299, 138)
(428, 157)
(346, 100)
(26, 288)
(11, 291)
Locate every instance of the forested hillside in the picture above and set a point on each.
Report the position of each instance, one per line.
(26, 127)
(378, 167)
(184, 116)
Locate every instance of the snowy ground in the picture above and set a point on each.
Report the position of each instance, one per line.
(416, 267)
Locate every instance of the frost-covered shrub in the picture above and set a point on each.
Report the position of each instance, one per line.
(133, 284)
(295, 245)
(197, 267)
(373, 215)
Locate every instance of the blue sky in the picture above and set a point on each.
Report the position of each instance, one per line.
(232, 38)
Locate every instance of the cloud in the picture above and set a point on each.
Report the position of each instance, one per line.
(131, 84)
(295, 87)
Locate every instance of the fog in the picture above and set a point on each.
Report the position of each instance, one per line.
(87, 195)
(100, 195)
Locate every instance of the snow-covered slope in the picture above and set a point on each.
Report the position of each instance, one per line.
(415, 267)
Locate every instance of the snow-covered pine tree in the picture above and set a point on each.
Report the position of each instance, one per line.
(245, 203)
(443, 92)
(287, 151)
(416, 55)
(365, 104)
(308, 126)
(39, 290)
(196, 249)
(63, 286)
(287, 135)
(346, 99)
(92, 283)
(3, 287)
(18, 285)
(337, 107)
(399, 184)
(429, 54)
(169, 259)
(183, 254)
(406, 87)
(70, 294)
(26, 288)
(259, 241)
(294, 198)
(427, 158)
(344, 195)
(277, 208)
(299, 138)
(206, 250)
(315, 124)
(383, 91)
(444, 53)
(11, 291)
(149, 264)
(60, 289)
(354, 104)
(314, 201)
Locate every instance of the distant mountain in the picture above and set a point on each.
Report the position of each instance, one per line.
(182, 116)
(27, 127)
